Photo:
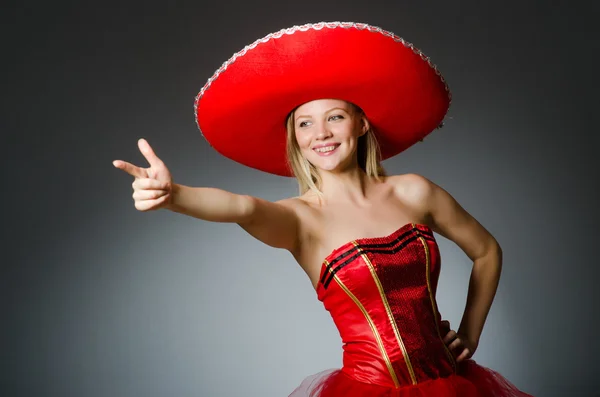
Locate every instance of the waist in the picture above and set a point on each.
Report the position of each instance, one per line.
(367, 362)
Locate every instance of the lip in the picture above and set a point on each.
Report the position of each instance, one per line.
(337, 145)
(325, 145)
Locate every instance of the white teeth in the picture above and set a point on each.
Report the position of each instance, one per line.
(325, 149)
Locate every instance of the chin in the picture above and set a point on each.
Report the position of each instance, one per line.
(324, 165)
(328, 167)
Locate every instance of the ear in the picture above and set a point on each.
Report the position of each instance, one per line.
(364, 125)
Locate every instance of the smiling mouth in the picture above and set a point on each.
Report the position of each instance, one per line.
(326, 149)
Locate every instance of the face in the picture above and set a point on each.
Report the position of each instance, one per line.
(327, 132)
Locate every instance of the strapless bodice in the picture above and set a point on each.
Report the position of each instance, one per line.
(381, 293)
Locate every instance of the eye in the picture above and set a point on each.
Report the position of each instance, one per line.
(336, 115)
(302, 124)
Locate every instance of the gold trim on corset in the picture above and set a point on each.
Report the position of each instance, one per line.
(390, 315)
(386, 358)
(432, 300)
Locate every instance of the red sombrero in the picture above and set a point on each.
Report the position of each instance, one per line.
(242, 108)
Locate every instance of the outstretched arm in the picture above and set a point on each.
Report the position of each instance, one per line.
(275, 224)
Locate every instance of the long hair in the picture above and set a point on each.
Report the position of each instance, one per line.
(368, 155)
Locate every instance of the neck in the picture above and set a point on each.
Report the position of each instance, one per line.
(348, 186)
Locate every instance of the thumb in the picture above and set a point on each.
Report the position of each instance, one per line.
(148, 153)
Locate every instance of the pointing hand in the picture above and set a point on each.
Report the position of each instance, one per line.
(152, 186)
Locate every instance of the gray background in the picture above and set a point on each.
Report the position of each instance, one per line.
(99, 299)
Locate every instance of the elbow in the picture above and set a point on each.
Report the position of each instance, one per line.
(246, 208)
(493, 251)
(497, 250)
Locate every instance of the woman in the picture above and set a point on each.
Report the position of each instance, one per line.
(313, 102)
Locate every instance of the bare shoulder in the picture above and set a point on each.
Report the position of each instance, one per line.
(413, 188)
(446, 216)
(298, 204)
(290, 202)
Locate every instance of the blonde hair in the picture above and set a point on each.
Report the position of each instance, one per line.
(307, 175)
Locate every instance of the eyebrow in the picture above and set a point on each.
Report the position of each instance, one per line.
(297, 117)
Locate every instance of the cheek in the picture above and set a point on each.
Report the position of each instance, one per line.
(303, 141)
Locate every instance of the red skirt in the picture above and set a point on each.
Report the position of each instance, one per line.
(472, 380)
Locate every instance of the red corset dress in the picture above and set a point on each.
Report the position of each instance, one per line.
(381, 295)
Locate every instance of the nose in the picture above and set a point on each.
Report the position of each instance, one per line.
(323, 132)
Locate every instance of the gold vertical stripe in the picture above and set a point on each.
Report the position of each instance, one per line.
(386, 358)
(390, 316)
(432, 300)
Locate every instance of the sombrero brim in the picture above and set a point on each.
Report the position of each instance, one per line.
(241, 110)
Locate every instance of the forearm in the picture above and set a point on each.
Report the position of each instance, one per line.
(483, 284)
(209, 204)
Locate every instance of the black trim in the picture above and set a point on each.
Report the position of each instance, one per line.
(383, 248)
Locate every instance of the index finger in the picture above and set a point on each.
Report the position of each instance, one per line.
(131, 169)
